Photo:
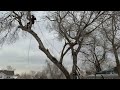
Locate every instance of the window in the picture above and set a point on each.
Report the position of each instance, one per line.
(0, 76)
(8, 76)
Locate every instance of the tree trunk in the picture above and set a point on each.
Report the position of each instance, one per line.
(117, 60)
(97, 66)
(74, 68)
(46, 51)
(98, 69)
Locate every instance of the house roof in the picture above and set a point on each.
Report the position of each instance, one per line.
(7, 72)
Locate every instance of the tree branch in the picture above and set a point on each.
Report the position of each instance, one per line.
(42, 48)
(62, 55)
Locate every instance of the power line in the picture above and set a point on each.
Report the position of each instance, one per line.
(47, 40)
(29, 49)
(28, 56)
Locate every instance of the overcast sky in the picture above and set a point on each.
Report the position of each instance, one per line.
(16, 54)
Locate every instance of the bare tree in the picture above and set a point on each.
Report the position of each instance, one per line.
(25, 76)
(33, 75)
(96, 54)
(111, 31)
(50, 72)
(73, 26)
(10, 68)
(40, 75)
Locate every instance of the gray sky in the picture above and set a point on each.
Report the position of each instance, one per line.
(16, 54)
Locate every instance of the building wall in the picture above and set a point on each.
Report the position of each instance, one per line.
(4, 76)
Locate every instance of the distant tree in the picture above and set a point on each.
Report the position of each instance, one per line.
(40, 75)
(96, 54)
(25, 76)
(10, 68)
(32, 73)
(110, 30)
(50, 72)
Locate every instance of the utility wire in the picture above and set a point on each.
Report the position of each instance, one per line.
(29, 50)
(47, 40)
(28, 56)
